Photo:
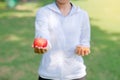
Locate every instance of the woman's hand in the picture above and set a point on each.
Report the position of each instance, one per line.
(41, 45)
(40, 50)
(81, 50)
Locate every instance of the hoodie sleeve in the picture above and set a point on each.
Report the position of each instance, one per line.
(41, 25)
(85, 31)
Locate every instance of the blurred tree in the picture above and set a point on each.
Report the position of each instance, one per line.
(2, 0)
(24, 0)
(28, 0)
(11, 3)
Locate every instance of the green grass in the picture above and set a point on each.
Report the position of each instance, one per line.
(104, 61)
(18, 62)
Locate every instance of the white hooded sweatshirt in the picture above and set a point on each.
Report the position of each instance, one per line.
(64, 33)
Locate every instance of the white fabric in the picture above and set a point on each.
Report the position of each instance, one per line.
(64, 33)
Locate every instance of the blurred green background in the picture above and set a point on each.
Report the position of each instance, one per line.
(17, 59)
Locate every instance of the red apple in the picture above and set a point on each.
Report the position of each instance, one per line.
(40, 43)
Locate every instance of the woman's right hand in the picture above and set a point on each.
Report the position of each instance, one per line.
(40, 50)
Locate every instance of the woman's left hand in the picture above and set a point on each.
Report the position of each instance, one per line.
(81, 50)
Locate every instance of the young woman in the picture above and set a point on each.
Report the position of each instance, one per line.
(67, 29)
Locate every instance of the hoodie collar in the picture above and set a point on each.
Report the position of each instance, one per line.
(55, 8)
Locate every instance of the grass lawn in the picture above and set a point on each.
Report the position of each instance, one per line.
(18, 62)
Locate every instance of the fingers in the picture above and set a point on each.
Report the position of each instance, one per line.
(82, 50)
(86, 51)
(40, 51)
(77, 50)
(43, 50)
